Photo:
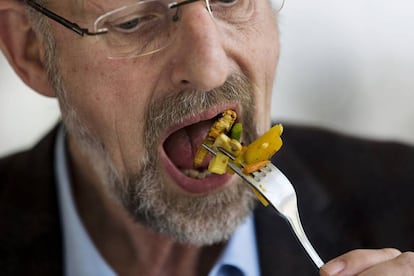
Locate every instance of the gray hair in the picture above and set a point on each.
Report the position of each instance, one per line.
(38, 21)
(41, 27)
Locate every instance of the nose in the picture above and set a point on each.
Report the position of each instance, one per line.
(200, 60)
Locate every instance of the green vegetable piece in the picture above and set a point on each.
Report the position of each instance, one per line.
(236, 131)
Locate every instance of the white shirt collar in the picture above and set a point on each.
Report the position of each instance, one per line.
(81, 257)
(241, 251)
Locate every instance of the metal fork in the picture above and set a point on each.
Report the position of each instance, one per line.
(274, 186)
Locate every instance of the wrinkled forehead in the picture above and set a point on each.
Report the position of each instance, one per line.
(82, 9)
(75, 7)
(108, 4)
(85, 8)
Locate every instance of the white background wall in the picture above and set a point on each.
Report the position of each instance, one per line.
(348, 65)
(344, 65)
(24, 115)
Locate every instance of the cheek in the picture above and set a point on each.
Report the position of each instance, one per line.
(111, 104)
(267, 60)
(264, 61)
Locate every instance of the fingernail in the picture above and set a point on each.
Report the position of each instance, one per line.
(333, 267)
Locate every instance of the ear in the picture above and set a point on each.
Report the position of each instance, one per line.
(23, 47)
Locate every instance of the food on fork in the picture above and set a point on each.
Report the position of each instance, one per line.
(266, 181)
(226, 134)
(264, 147)
(222, 125)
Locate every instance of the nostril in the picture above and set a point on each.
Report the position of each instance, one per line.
(185, 82)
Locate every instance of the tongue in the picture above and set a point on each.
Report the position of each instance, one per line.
(182, 144)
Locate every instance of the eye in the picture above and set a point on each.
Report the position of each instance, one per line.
(223, 2)
(233, 11)
(226, 4)
(129, 25)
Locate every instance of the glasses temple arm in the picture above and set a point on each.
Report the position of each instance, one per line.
(73, 26)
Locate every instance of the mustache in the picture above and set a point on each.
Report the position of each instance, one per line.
(174, 108)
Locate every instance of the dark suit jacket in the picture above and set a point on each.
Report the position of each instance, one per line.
(352, 193)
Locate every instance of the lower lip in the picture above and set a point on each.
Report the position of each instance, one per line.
(194, 186)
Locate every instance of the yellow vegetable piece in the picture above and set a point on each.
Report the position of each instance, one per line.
(222, 125)
(260, 197)
(232, 146)
(230, 171)
(199, 157)
(222, 141)
(218, 164)
(240, 159)
(265, 146)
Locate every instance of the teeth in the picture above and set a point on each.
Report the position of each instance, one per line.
(196, 174)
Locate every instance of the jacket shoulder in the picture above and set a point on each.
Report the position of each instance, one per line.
(30, 235)
(340, 157)
(30, 165)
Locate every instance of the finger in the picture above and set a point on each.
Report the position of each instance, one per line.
(401, 265)
(358, 260)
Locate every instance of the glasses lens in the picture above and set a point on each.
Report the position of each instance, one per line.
(135, 30)
(145, 27)
(237, 11)
(233, 11)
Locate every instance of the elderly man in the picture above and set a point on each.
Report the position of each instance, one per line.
(112, 190)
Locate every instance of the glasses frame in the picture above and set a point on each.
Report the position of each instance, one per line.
(85, 31)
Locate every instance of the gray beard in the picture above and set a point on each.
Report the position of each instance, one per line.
(199, 220)
(203, 219)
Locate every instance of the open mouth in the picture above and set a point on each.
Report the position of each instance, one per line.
(182, 145)
(178, 151)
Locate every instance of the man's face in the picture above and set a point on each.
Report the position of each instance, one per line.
(139, 121)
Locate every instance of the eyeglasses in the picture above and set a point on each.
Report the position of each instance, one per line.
(147, 26)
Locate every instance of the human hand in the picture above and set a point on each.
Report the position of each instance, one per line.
(365, 262)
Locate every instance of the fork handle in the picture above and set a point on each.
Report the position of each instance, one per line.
(296, 225)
